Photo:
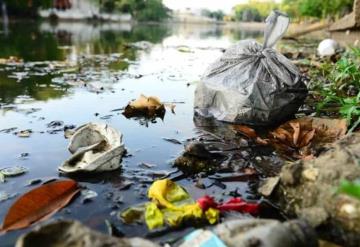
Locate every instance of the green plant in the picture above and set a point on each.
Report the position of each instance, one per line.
(347, 107)
(338, 85)
(350, 188)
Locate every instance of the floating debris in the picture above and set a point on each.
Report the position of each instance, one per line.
(6, 196)
(24, 133)
(95, 147)
(88, 195)
(174, 141)
(13, 171)
(145, 106)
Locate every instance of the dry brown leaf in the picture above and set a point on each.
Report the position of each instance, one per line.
(250, 133)
(146, 106)
(245, 130)
(296, 134)
(39, 204)
(297, 138)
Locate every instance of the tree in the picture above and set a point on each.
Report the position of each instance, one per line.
(217, 15)
(26, 7)
(316, 8)
(142, 10)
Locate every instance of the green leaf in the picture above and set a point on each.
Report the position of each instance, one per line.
(350, 188)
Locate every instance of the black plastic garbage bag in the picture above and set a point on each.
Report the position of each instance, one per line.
(252, 83)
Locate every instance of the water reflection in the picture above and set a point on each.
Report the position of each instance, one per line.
(73, 43)
(34, 94)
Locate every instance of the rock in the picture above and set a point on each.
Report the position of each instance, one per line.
(268, 186)
(95, 148)
(327, 48)
(349, 21)
(197, 158)
(69, 233)
(307, 189)
(291, 173)
(266, 233)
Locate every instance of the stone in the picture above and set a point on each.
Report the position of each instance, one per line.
(327, 48)
(69, 233)
(312, 195)
(350, 21)
(268, 186)
(266, 233)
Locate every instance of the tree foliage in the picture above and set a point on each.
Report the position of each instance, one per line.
(255, 10)
(26, 7)
(142, 10)
(217, 15)
(316, 8)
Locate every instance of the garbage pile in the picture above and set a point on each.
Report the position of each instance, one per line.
(252, 83)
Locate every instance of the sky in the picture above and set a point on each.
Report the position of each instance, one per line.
(224, 5)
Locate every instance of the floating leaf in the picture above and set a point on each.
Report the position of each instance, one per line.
(39, 204)
(146, 106)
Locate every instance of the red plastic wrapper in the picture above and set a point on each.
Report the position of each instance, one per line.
(234, 204)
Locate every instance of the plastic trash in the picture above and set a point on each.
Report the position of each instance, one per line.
(327, 47)
(252, 83)
(266, 233)
(95, 148)
(202, 238)
(70, 233)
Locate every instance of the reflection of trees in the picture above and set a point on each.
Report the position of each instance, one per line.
(39, 88)
(28, 42)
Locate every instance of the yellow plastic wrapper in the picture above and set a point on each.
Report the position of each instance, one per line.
(176, 204)
(153, 216)
(173, 205)
(212, 215)
(167, 193)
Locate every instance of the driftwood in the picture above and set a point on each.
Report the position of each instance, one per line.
(310, 29)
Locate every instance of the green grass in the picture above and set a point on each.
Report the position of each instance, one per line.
(338, 86)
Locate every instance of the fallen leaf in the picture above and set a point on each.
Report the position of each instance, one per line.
(245, 130)
(147, 106)
(250, 133)
(298, 138)
(39, 204)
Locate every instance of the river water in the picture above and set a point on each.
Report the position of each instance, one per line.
(79, 73)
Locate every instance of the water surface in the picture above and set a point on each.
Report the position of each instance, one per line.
(79, 73)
